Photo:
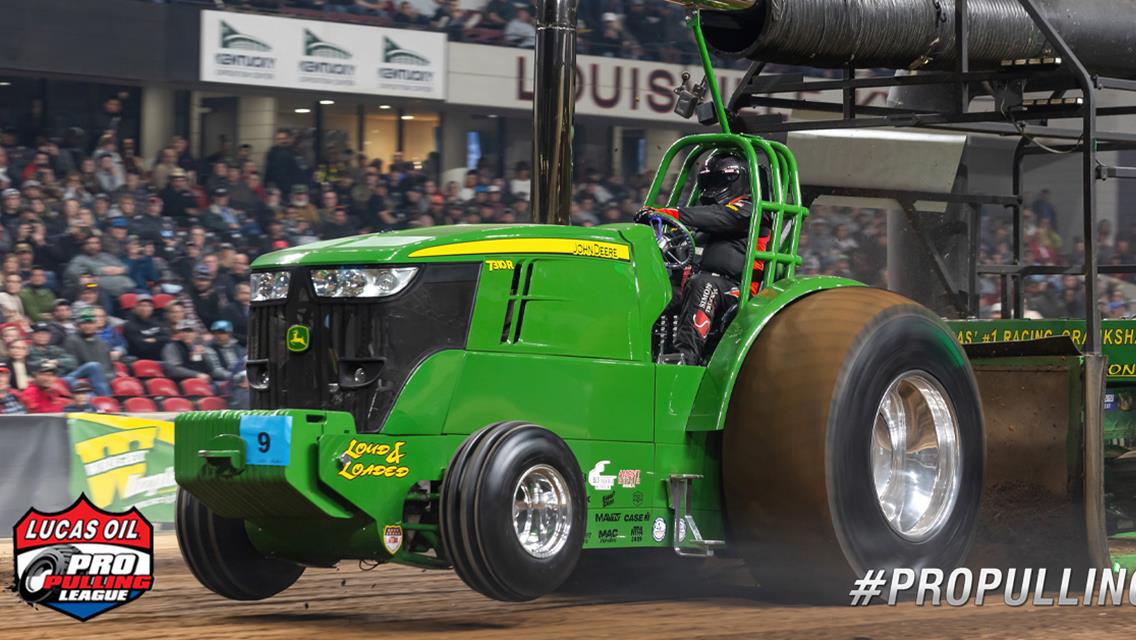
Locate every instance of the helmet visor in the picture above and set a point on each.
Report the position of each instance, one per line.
(718, 180)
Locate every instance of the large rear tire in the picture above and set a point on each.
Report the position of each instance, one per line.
(853, 441)
(222, 558)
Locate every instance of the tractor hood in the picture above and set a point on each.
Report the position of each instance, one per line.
(455, 243)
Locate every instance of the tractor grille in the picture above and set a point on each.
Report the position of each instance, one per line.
(361, 351)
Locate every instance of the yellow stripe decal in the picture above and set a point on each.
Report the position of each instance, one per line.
(565, 246)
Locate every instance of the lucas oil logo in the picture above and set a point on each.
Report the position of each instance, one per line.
(83, 561)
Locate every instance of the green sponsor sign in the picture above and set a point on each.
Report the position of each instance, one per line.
(1118, 338)
(123, 462)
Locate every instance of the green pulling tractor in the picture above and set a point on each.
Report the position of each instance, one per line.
(492, 399)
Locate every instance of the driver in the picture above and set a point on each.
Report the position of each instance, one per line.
(722, 221)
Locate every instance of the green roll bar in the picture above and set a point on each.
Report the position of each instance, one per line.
(784, 204)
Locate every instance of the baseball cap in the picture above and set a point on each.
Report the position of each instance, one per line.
(298, 189)
(87, 315)
(47, 365)
(201, 271)
(9, 192)
(40, 326)
(437, 198)
(610, 17)
(120, 223)
(143, 297)
(222, 326)
(60, 302)
(91, 286)
(177, 173)
(29, 184)
(4, 369)
(220, 191)
(184, 325)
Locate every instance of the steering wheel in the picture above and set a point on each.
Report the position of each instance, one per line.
(676, 242)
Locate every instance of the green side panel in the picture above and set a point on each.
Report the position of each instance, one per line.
(676, 387)
(375, 472)
(577, 398)
(425, 399)
(251, 491)
(709, 413)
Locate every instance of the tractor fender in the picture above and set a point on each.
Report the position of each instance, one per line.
(713, 397)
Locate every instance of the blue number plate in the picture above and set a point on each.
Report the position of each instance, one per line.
(268, 439)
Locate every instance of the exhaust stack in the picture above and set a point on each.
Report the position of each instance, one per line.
(554, 109)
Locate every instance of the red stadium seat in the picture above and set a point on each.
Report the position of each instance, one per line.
(127, 301)
(161, 387)
(148, 369)
(62, 388)
(126, 386)
(161, 300)
(107, 405)
(212, 403)
(176, 405)
(140, 405)
(121, 369)
(195, 387)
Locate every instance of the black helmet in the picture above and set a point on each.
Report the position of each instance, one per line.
(723, 176)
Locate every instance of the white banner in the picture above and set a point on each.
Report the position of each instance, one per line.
(248, 49)
(499, 77)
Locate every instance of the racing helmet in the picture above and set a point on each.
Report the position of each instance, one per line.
(724, 176)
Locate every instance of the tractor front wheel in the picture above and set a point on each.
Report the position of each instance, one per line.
(513, 511)
(853, 441)
(222, 558)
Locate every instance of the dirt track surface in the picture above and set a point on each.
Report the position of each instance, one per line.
(406, 603)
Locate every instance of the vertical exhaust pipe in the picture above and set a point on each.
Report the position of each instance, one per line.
(554, 110)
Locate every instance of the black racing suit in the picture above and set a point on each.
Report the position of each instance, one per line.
(723, 228)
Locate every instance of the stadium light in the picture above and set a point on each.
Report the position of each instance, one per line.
(327, 101)
(303, 110)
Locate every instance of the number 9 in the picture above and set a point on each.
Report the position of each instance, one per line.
(264, 441)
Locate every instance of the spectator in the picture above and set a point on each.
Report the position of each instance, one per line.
(81, 400)
(67, 364)
(521, 32)
(87, 346)
(238, 314)
(17, 363)
(10, 403)
(36, 297)
(60, 323)
(281, 168)
(209, 303)
(230, 353)
(41, 396)
(110, 272)
(239, 396)
(11, 304)
(145, 337)
(184, 356)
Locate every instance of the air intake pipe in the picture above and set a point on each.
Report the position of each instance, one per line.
(915, 34)
(554, 109)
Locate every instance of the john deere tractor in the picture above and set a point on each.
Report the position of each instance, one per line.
(496, 399)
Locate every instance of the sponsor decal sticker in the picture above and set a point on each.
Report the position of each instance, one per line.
(83, 561)
(500, 265)
(609, 499)
(598, 479)
(392, 538)
(637, 498)
(659, 529)
(681, 530)
(628, 478)
(701, 323)
(390, 465)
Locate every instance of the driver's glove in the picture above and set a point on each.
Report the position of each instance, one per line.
(644, 215)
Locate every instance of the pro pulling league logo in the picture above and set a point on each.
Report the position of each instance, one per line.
(83, 561)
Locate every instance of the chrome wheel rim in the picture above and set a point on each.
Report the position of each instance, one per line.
(542, 511)
(915, 456)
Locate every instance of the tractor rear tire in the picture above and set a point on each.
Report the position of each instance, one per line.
(491, 473)
(221, 556)
(801, 469)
